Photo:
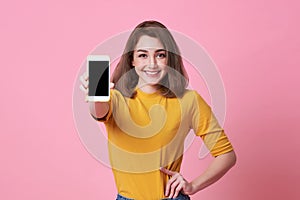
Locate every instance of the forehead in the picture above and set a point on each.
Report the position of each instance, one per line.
(147, 42)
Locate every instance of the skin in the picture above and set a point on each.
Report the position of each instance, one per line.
(97, 109)
(150, 62)
(218, 168)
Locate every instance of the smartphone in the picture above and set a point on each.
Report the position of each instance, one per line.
(99, 77)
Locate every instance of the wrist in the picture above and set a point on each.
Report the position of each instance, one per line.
(191, 189)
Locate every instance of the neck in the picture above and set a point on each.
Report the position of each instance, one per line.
(147, 88)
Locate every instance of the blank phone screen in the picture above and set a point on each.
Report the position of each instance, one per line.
(98, 78)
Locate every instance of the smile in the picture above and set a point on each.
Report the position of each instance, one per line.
(151, 72)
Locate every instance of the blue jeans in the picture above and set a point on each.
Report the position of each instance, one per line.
(179, 197)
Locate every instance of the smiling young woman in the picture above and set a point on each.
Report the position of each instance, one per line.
(148, 117)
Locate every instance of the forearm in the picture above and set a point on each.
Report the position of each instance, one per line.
(218, 168)
(99, 109)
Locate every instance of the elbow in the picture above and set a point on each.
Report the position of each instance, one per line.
(229, 159)
(232, 158)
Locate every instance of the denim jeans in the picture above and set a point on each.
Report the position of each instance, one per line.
(179, 197)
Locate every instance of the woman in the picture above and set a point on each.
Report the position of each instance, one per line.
(148, 117)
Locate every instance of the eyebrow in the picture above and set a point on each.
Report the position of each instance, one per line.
(143, 50)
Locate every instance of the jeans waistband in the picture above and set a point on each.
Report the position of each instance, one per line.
(179, 197)
(120, 197)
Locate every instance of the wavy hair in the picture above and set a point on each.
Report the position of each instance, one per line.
(175, 81)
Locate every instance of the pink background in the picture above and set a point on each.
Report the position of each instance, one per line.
(255, 45)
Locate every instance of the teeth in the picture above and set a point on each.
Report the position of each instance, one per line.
(152, 73)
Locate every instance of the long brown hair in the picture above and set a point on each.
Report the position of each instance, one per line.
(125, 77)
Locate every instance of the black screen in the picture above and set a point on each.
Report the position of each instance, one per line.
(98, 78)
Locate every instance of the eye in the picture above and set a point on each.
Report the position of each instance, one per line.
(161, 55)
(143, 55)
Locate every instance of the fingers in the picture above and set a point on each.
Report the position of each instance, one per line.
(85, 76)
(82, 88)
(84, 81)
(111, 85)
(175, 189)
(175, 184)
(169, 189)
(84, 84)
(178, 189)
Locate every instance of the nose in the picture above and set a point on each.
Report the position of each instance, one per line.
(152, 62)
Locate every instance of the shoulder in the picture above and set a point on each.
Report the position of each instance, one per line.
(116, 97)
(192, 95)
(194, 100)
(114, 93)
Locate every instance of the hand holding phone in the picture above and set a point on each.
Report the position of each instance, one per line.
(97, 109)
(85, 78)
(98, 72)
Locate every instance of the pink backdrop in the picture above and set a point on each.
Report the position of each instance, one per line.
(255, 45)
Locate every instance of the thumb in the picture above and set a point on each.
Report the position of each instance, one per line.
(111, 85)
(166, 171)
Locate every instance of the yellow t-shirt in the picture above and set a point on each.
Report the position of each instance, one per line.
(148, 132)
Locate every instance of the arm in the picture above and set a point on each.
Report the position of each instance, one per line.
(205, 125)
(218, 168)
(97, 109)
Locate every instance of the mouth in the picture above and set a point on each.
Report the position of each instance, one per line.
(151, 72)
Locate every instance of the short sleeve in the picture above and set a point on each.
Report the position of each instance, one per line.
(206, 125)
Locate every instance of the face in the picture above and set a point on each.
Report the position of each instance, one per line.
(150, 61)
